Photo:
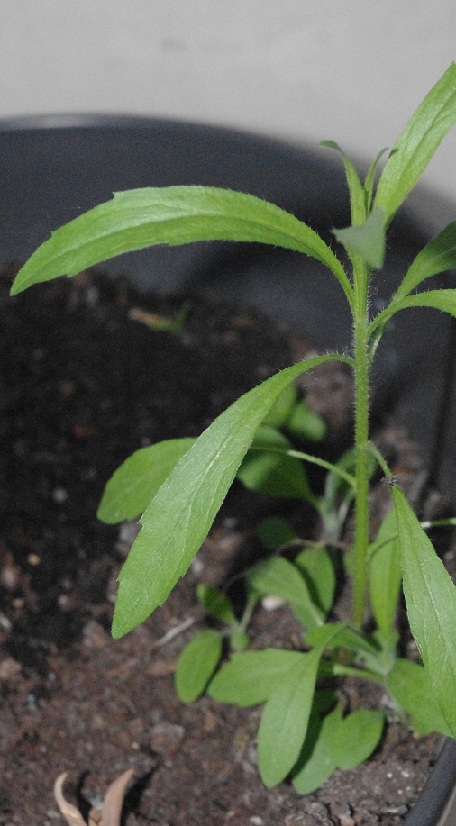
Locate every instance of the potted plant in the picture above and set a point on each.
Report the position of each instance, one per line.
(179, 215)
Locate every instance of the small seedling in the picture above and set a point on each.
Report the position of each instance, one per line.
(178, 486)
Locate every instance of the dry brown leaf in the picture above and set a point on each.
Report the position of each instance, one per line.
(112, 809)
(67, 810)
(108, 815)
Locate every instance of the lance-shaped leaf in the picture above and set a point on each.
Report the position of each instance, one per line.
(358, 199)
(431, 607)
(179, 517)
(140, 218)
(439, 255)
(250, 677)
(197, 664)
(444, 300)
(284, 719)
(137, 480)
(417, 143)
(385, 575)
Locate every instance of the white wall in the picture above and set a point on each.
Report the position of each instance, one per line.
(350, 70)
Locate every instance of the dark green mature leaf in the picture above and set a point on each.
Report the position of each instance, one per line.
(140, 218)
(437, 256)
(274, 532)
(409, 684)
(250, 677)
(137, 480)
(176, 522)
(431, 607)
(197, 664)
(385, 575)
(417, 143)
(367, 240)
(284, 720)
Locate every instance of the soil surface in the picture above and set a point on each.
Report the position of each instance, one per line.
(84, 382)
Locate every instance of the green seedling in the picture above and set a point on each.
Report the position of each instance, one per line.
(178, 487)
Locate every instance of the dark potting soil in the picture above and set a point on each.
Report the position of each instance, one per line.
(84, 382)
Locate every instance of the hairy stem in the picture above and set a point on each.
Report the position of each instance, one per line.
(362, 371)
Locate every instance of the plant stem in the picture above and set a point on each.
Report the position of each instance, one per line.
(362, 372)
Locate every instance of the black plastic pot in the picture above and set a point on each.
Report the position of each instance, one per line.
(52, 168)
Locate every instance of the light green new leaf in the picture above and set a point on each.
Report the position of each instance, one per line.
(250, 677)
(316, 762)
(417, 143)
(357, 737)
(370, 177)
(338, 635)
(284, 720)
(316, 566)
(358, 200)
(431, 607)
(140, 218)
(444, 300)
(306, 424)
(409, 684)
(268, 469)
(339, 743)
(385, 575)
(367, 240)
(279, 577)
(215, 603)
(176, 522)
(439, 255)
(137, 480)
(197, 664)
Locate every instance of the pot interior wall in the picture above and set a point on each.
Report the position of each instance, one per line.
(53, 170)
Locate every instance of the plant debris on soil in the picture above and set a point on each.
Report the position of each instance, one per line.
(88, 376)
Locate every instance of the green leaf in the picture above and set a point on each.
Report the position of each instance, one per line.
(357, 737)
(443, 300)
(137, 480)
(358, 199)
(279, 577)
(337, 743)
(282, 408)
(333, 635)
(140, 218)
(385, 575)
(316, 566)
(370, 177)
(409, 684)
(268, 469)
(316, 762)
(176, 522)
(215, 603)
(284, 720)
(275, 532)
(417, 143)
(305, 424)
(250, 677)
(367, 240)
(437, 256)
(431, 607)
(197, 664)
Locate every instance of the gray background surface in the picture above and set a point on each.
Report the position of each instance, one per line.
(303, 69)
